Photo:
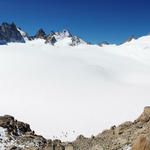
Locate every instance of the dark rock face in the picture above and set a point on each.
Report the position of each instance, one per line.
(40, 34)
(19, 136)
(9, 33)
(14, 127)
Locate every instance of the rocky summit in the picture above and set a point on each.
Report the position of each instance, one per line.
(10, 33)
(16, 135)
(40, 34)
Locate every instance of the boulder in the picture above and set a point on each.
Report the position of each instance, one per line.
(121, 128)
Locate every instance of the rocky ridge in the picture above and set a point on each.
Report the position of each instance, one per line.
(11, 33)
(16, 135)
(103, 44)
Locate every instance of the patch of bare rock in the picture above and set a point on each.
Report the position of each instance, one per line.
(16, 135)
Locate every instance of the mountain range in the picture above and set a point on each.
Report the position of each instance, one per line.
(11, 33)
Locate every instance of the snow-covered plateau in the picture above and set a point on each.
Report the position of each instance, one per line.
(63, 91)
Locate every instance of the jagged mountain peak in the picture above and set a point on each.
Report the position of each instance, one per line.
(64, 32)
(40, 34)
(10, 33)
(5, 26)
(131, 37)
(55, 37)
(51, 33)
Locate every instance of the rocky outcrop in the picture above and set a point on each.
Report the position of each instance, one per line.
(15, 127)
(51, 38)
(54, 37)
(129, 39)
(62, 34)
(145, 116)
(103, 44)
(142, 142)
(120, 137)
(16, 135)
(75, 40)
(10, 33)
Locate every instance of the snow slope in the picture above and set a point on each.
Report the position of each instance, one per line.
(64, 91)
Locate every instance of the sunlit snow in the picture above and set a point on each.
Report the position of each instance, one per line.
(64, 91)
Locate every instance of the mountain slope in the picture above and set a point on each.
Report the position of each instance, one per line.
(74, 90)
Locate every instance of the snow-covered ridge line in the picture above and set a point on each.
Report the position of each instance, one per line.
(11, 33)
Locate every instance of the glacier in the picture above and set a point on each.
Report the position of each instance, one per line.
(74, 90)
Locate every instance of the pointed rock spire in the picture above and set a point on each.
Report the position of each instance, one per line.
(10, 33)
(129, 39)
(40, 34)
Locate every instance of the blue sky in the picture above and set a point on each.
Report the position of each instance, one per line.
(93, 20)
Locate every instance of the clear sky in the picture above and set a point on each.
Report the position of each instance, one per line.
(93, 20)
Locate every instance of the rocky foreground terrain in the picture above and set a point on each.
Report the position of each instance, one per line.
(16, 135)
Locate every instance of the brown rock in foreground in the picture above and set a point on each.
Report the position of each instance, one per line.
(126, 136)
(142, 142)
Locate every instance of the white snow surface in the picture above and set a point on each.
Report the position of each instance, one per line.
(64, 91)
